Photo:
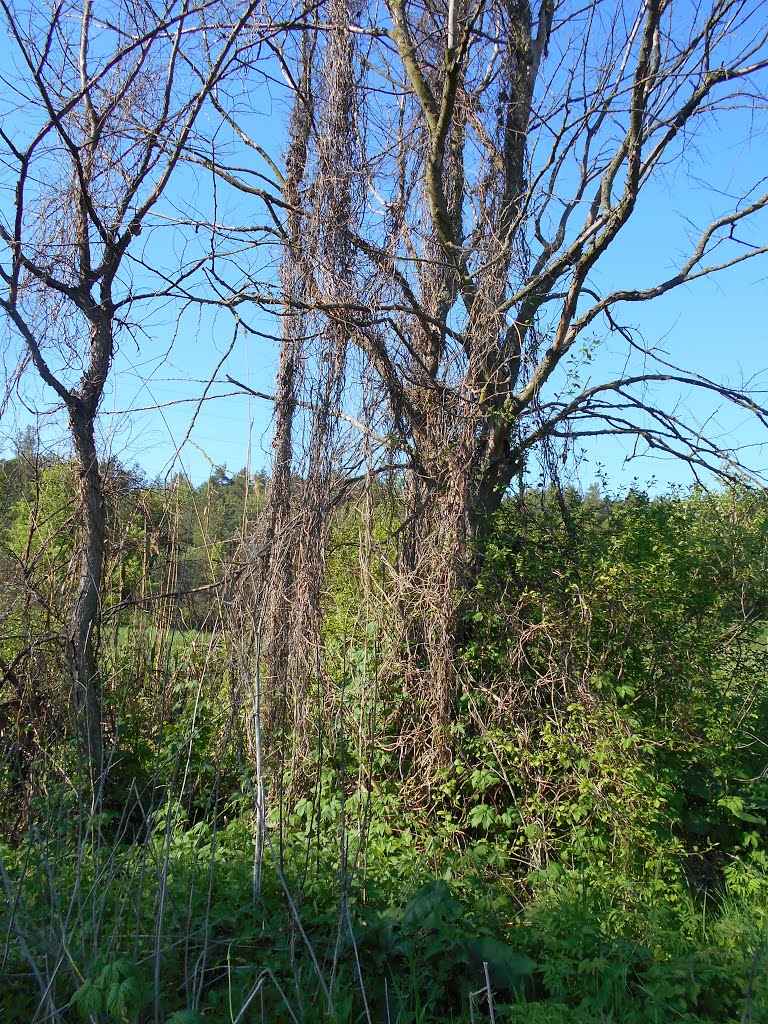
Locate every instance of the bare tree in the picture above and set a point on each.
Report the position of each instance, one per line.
(100, 103)
(458, 175)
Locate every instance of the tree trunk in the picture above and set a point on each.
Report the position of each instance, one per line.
(449, 510)
(82, 639)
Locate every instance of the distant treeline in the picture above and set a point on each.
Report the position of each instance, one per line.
(169, 535)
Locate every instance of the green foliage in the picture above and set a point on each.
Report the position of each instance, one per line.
(599, 837)
(433, 954)
(115, 989)
(350, 614)
(590, 946)
(607, 953)
(638, 622)
(36, 546)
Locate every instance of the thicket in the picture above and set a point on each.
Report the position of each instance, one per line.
(595, 848)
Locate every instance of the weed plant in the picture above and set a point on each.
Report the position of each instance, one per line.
(594, 851)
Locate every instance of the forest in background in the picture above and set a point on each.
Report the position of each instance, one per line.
(595, 849)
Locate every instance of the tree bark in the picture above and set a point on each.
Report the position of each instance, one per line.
(87, 695)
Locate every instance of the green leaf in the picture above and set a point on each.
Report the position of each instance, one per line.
(736, 806)
(112, 973)
(88, 999)
(481, 814)
(754, 819)
(431, 907)
(123, 998)
(507, 968)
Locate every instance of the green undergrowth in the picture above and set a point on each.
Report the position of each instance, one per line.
(592, 848)
(175, 928)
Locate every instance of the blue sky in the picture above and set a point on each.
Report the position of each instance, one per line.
(716, 327)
